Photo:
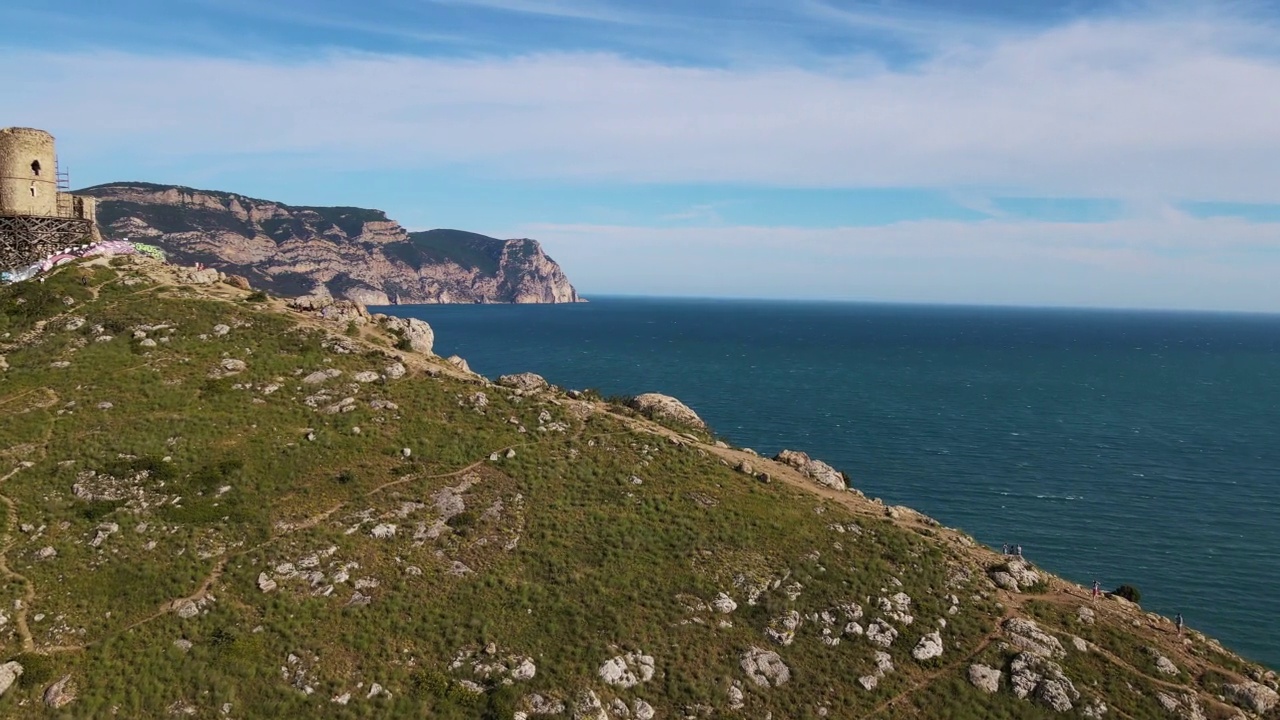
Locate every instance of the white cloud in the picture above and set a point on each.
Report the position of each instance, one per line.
(1129, 109)
(1168, 260)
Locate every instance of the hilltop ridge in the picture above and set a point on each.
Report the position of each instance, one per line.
(347, 252)
(223, 504)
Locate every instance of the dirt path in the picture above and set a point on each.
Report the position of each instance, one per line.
(28, 590)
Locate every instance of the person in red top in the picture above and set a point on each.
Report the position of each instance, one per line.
(1097, 588)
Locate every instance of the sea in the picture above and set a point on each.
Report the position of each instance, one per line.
(1129, 447)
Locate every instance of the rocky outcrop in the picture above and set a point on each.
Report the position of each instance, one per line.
(417, 334)
(60, 694)
(1251, 696)
(986, 679)
(525, 382)
(627, 670)
(346, 252)
(665, 407)
(818, 471)
(1033, 676)
(9, 674)
(1014, 576)
(1026, 634)
(765, 667)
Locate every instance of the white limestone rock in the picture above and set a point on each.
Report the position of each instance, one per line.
(9, 674)
(627, 670)
(1251, 696)
(724, 604)
(765, 667)
(881, 633)
(986, 679)
(1027, 635)
(665, 407)
(929, 647)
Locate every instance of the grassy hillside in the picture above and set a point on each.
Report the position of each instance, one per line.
(212, 513)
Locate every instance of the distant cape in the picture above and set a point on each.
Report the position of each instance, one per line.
(348, 252)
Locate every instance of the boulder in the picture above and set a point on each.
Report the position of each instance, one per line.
(818, 471)
(1028, 636)
(60, 694)
(1166, 666)
(458, 362)
(344, 312)
(1251, 696)
(525, 382)
(539, 705)
(782, 629)
(9, 674)
(881, 633)
(192, 276)
(986, 679)
(1034, 676)
(1185, 707)
(627, 670)
(265, 583)
(929, 647)
(724, 604)
(310, 302)
(765, 667)
(238, 281)
(588, 707)
(1004, 580)
(418, 334)
(524, 671)
(665, 407)
(395, 371)
(642, 710)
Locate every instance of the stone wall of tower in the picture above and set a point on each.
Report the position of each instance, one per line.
(28, 173)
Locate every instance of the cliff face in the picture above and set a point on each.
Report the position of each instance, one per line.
(348, 252)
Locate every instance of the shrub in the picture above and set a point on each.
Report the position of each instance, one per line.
(95, 510)
(1128, 592)
(256, 296)
(37, 670)
(346, 477)
(463, 521)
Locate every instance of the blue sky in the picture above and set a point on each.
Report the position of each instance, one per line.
(1095, 153)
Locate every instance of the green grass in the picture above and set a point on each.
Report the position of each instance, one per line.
(571, 562)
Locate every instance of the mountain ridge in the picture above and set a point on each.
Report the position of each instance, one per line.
(348, 252)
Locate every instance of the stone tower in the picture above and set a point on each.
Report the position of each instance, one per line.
(28, 173)
(36, 218)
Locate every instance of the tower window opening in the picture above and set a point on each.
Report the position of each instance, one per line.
(35, 167)
(33, 189)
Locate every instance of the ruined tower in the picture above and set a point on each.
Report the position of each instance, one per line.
(37, 218)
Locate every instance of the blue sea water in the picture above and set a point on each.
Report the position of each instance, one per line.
(1131, 447)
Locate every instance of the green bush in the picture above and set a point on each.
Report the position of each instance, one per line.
(1128, 592)
(256, 296)
(37, 670)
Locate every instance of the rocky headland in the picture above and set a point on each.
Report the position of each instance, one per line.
(345, 252)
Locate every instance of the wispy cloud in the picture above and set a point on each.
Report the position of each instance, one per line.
(1119, 109)
(576, 9)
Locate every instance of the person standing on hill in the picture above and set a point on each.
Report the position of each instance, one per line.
(1178, 621)
(1097, 589)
